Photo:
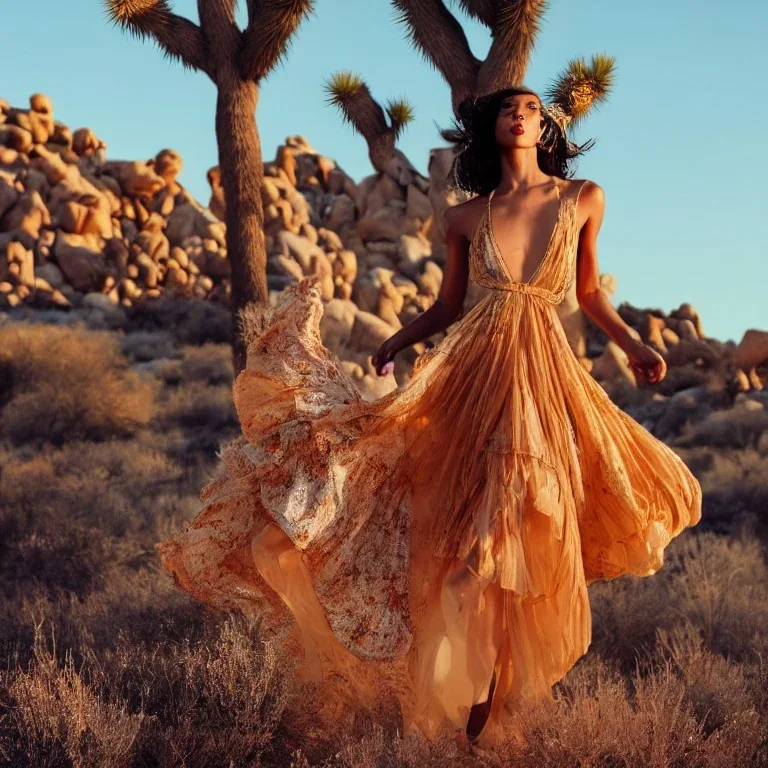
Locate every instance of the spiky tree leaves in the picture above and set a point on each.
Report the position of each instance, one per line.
(401, 113)
(582, 85)
(482, 10)
(351, 95)
(257, 48)
(177, 37)
(514, 26)
(236, 60)
(270, 27)
(437, 34)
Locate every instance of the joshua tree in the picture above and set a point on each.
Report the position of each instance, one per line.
(349, 92)
(235, 60)
(514, 24)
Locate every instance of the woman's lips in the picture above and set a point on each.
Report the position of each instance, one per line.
(518, 130)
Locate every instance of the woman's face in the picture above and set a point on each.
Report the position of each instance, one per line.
(519, 122)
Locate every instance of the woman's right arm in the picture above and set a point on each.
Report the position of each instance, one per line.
(449, 302)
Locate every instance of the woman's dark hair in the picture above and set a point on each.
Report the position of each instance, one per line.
(477, 165)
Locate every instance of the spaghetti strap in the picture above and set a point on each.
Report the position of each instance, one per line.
(578, 193)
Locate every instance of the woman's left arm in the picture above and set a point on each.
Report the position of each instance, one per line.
(644, 361)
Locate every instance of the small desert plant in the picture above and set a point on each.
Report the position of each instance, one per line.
(189, 321)
(56, 719)
(210, 364)
(737, 427)
(62, 384)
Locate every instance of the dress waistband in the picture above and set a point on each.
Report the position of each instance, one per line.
(531, 290)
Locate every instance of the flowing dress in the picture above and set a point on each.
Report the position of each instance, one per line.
(410, 547)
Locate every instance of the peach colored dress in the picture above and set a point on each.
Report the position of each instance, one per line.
(405, 549)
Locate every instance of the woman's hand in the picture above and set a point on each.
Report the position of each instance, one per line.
(383, 357)
(646, 362)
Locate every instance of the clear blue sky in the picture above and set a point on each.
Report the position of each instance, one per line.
(681, 144)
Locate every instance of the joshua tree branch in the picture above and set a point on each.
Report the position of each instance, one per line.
(217, 20)
(482, 10)
(270, 26)
(434, 30)
(254, 9)
(178, 37)
(359, 108)
(514, 35)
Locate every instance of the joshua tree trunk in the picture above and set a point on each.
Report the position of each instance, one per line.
(242, 172)
(235, 60)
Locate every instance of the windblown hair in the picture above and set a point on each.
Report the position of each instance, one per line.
(476, 167)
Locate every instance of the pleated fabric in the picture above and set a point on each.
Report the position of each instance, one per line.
(408, 548)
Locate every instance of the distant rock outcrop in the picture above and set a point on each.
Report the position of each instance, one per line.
(78, 230)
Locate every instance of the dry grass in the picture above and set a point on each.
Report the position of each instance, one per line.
(189, 321)
(191, 705)
(143, 346)
(106, 663)
(718, 583)
(60, 384)
(56, 718)
(732, 428)
(210, 364)
(186, 688)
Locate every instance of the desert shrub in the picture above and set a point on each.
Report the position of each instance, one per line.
(690, 710)
(718, 583)
(57, 719)
(735, 486)
(737, 427)
(190, 321)
(69, 517)
(59, 384)
(210, 363)
(219, 701)
(718, 690)
(143, 346)
(197, 406)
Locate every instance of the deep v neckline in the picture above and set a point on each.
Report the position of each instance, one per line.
(550, 244)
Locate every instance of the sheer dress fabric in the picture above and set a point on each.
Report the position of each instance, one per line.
(409, 547)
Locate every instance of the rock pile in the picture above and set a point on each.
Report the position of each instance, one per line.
(77, 229)
(80, 231)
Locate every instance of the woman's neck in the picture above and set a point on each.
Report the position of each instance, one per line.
(520, 170)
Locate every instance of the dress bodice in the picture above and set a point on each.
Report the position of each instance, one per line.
(555, 272)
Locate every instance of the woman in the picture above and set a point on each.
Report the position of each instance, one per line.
(434, 546)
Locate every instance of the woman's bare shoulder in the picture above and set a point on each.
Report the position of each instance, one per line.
(463, 218)
(586, 191)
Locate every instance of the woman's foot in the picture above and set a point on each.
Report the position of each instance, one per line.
(478, 715)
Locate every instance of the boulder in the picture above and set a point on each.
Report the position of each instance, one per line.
(51, 274)
(29, 215)
(752, 350)
(336, 324)
(369, 331)
(136, 179)
(613, 364)
(412, 251)
(186, 221)
(80, 260)
(24, 261)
